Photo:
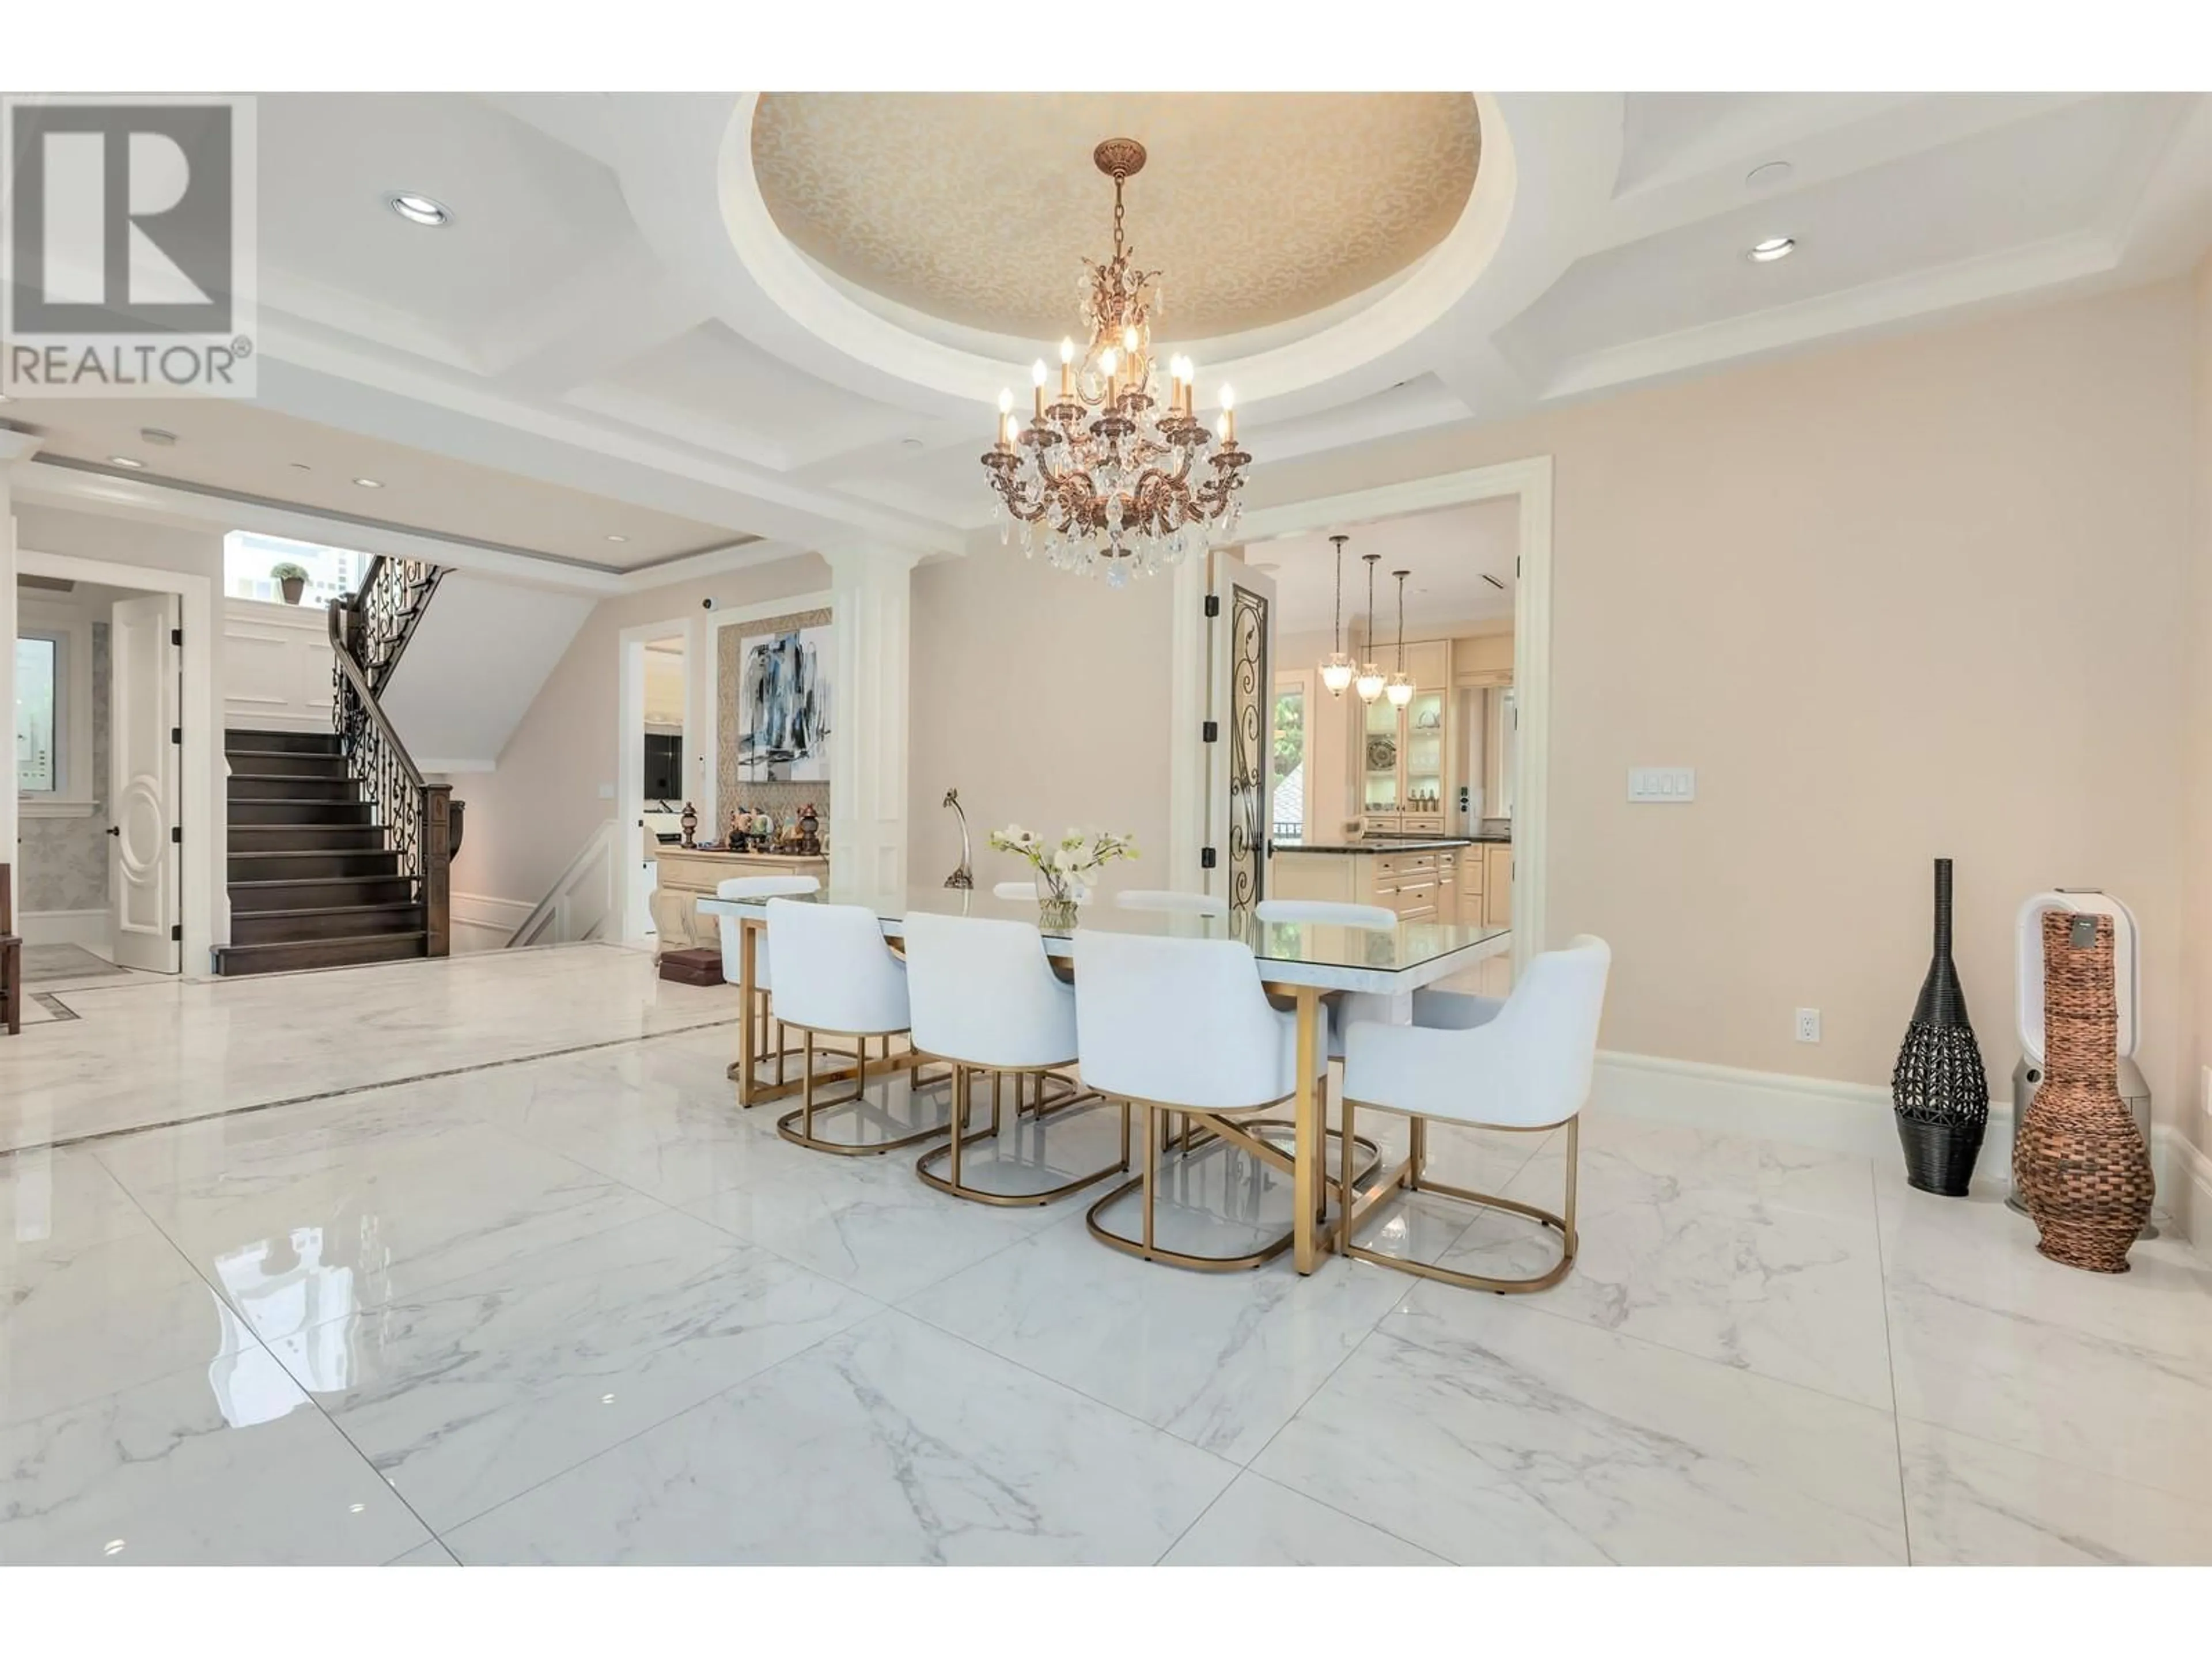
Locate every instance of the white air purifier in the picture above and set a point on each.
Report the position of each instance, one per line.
(2127, 970)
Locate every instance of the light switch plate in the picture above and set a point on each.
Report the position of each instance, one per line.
(1671, 784)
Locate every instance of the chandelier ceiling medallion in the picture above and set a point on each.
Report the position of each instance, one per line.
(1336, 672)
(1105, 473)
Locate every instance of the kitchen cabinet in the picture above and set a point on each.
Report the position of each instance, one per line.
(1498, 884)
(1405, 754)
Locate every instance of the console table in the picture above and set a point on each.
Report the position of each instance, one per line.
(688, 875)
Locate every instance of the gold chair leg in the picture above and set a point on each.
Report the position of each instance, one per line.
(1151, 1172)
(1563, 1223)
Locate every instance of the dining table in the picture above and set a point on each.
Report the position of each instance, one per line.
(1300, 964)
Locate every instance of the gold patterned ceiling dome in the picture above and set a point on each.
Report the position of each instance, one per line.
(965, 210)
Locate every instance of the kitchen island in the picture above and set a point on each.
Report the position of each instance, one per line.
(1465, 879)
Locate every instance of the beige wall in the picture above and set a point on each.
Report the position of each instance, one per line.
(1912, 598)
(530, 817)
(1042, 695)
(1915, 597)
(2196, 1047)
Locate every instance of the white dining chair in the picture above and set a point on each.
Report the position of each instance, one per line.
(1182, 1025)
(985, 999)
(836, 976)
(768, 1043)
(1524, 1065)
(1344, 1006)
(1174, 903)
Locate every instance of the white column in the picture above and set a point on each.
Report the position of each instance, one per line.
(14, 446)
(871, 620)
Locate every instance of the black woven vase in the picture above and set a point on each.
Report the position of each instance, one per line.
(1939, 1092)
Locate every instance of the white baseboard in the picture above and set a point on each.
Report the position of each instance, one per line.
(1843, 1117)
(482, 922)
(95, 929)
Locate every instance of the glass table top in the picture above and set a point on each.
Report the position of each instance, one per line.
(1409, 946)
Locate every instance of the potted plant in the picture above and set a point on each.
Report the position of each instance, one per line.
(292, 578)
(1065, 868)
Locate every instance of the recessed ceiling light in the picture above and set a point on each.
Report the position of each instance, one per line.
(126, 460)
(419, 209)
(1773, 248)
(617, 539)
(155, 434)
(1768, 174)
(369, 484)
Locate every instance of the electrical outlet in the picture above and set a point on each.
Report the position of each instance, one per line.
(1808, 1025)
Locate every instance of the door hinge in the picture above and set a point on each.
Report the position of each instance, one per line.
(176, 636)
(1205, 857)
(177, 735)
(177, 833)
(1209, 731)
(1213, 604)
(176, 931)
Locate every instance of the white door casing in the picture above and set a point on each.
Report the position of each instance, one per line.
(142, 781)
(1241, 700)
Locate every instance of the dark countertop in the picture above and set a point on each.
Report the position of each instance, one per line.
(1392, 844)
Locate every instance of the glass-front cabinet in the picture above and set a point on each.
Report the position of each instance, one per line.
(1406, 780)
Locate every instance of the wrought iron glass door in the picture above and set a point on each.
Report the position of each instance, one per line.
(1243, 681)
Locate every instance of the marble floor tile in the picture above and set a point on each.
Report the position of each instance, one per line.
(297, 1231)
(102, 1318)
(2112, 1374)
(1487, 1433)
(225, 1463)
(148, 1053)
(889, 1443)
(1221, 1360)
(870, 1223)
(1724, 1266)
(480, 1387)
(432, 1554)
(1971, 1503)
(1257, 1523)
(54, 1202)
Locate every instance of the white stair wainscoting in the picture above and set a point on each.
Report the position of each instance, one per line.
(276, 666)
(583, 904)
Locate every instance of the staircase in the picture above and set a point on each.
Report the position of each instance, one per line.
(312, 884)
(338, 849)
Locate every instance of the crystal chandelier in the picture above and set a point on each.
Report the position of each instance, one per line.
(1370, 683)
(1336, 672)
(1398, 688)
(1105, 473)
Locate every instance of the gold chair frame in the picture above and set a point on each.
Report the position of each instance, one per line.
(1352, 1208)
(906, 1061)
(1041, 1106)
(1217, 1126)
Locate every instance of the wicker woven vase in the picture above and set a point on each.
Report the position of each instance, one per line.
(1938, 1088)
(2080, 1165)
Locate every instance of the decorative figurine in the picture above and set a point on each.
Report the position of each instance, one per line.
(809, 831)
(964, 879)
(690, 823)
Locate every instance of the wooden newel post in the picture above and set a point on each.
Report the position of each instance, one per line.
(436, 835)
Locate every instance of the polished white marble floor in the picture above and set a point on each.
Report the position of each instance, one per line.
(580, 1309)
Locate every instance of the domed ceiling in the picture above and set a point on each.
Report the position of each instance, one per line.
(977, 209)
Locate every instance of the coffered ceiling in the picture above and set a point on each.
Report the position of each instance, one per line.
(694, 320)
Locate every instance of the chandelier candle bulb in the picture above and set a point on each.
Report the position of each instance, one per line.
(1036, 382)
(1228, 415)
(1067, 371)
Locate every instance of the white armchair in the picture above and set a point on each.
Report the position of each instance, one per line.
(1524, 1065)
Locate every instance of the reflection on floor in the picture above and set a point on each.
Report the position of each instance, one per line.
(581, 1308)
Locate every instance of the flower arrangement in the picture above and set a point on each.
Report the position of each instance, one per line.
(1065, 867)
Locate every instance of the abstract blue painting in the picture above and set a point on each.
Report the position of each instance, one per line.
(783, 707)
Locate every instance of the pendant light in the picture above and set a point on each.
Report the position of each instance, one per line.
(1336, 672)
(1399, 689)
(1370, 683)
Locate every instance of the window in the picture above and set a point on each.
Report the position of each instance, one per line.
(40, 714)
(248, 557)
(1289, 771)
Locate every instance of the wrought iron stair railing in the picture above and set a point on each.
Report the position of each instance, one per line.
(421, 822)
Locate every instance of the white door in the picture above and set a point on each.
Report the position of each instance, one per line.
(1240, 698)
(142, 780)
